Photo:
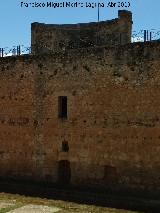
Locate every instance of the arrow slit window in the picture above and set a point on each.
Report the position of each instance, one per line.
(62, 106)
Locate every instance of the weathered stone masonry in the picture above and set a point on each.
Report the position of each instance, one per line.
(46, 38)
(113, 117)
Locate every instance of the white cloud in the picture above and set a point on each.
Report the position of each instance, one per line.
(137, 39)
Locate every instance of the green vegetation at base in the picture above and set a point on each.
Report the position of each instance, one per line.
(9, 208)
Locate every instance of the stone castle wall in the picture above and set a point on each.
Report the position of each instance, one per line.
(50, 37)
(113, 123)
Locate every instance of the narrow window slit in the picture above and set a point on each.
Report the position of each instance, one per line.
(62, 106)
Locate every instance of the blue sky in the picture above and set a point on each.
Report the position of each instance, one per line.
(15, 20)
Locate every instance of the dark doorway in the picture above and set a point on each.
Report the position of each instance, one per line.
(110, 174)
(64, 172)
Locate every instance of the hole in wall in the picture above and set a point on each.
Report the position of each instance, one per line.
(65, 146)
(74, 93)
(21, 76)
(55, 72)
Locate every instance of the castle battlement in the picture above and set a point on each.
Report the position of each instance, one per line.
(53, 37)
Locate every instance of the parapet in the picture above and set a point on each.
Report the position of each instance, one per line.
(124, 14)
(46, 38)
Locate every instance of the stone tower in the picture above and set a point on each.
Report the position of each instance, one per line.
(47, 38)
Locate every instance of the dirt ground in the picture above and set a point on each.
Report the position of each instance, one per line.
(22, 204)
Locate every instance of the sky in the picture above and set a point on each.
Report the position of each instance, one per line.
(16, 18)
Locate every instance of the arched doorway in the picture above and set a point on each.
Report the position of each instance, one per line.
(64, 172)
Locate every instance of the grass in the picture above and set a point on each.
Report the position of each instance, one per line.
(9, 208)
(66, 207)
